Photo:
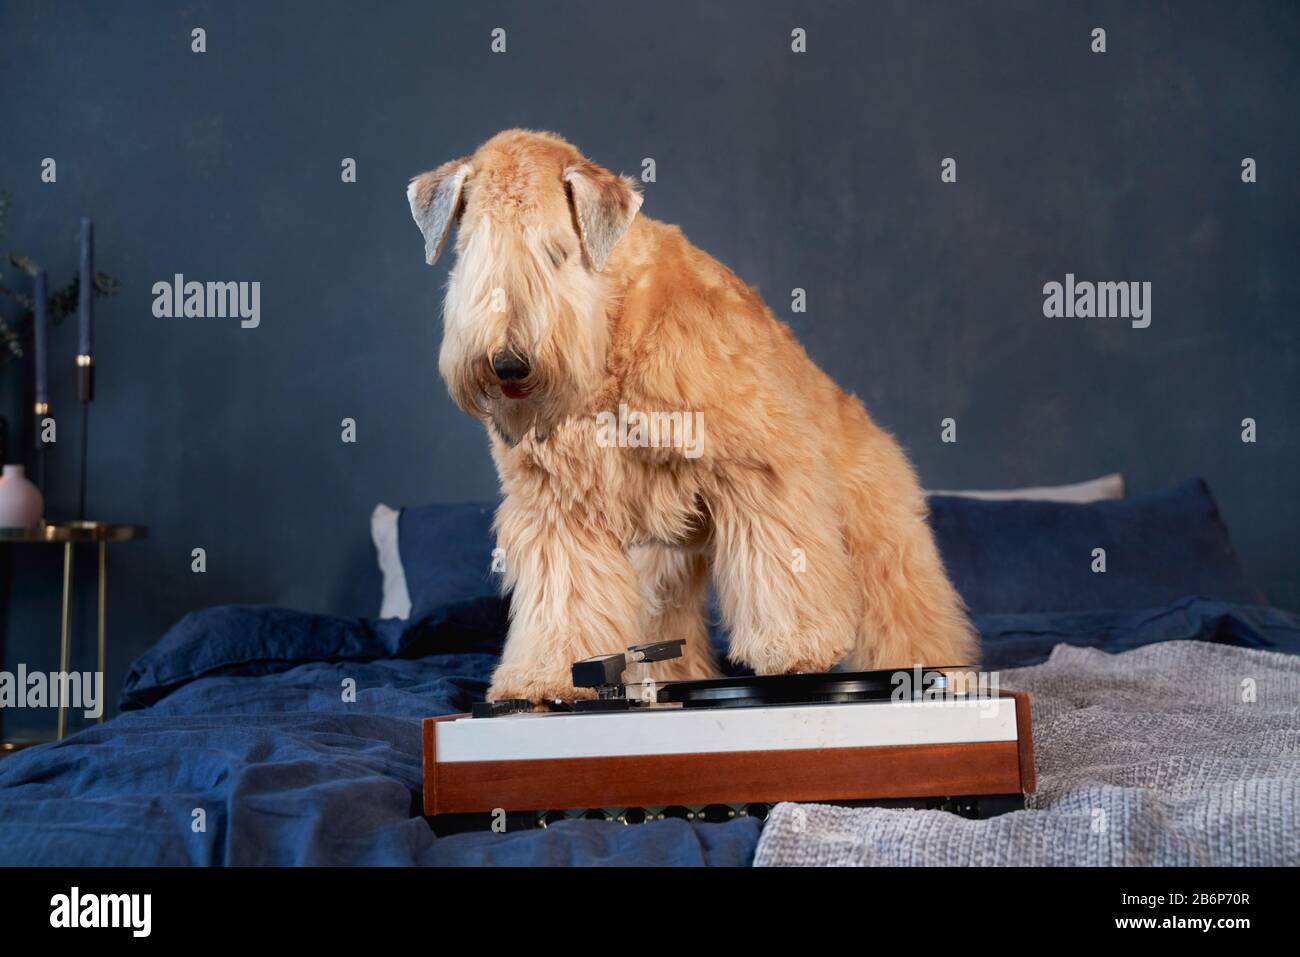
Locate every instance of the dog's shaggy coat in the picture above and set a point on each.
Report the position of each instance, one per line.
(804, 514)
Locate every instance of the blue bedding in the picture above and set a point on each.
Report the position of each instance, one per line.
(239, 720)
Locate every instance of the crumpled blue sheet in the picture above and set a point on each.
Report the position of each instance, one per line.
(239, 743)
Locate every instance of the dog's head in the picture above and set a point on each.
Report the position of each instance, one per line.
(524, 320)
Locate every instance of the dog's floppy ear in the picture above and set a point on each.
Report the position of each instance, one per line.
(435, 203)
(604, 206)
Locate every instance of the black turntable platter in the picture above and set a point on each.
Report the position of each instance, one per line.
(820, 688)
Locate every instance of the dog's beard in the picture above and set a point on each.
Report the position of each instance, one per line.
(513, 418)
(565, 371)
(554, 391)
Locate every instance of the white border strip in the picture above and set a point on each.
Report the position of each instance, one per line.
(522, 737)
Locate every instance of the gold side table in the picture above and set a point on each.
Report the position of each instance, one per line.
(68, 534)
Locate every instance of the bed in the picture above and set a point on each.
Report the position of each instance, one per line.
(252, 735)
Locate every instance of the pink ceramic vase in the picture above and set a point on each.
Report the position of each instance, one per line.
(21, 505)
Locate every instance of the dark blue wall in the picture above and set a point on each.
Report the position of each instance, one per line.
(819, 171)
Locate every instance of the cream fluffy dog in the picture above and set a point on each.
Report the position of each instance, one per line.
(563, 307)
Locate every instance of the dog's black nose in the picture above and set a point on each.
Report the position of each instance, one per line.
(509, 366)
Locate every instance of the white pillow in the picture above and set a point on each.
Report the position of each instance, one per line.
(1094, 490)
(383, 530)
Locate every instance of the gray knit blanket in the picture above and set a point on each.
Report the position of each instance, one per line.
(1178, 753)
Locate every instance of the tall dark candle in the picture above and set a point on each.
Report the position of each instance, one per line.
(86, 339)
(41, 335)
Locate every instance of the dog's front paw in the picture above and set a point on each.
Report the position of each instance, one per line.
(770, 663)
(537, 687)
(812, 652)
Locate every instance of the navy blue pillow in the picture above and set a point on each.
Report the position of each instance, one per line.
(446, 553)
(1026, 556)
(255, 640)
(1004, 557)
